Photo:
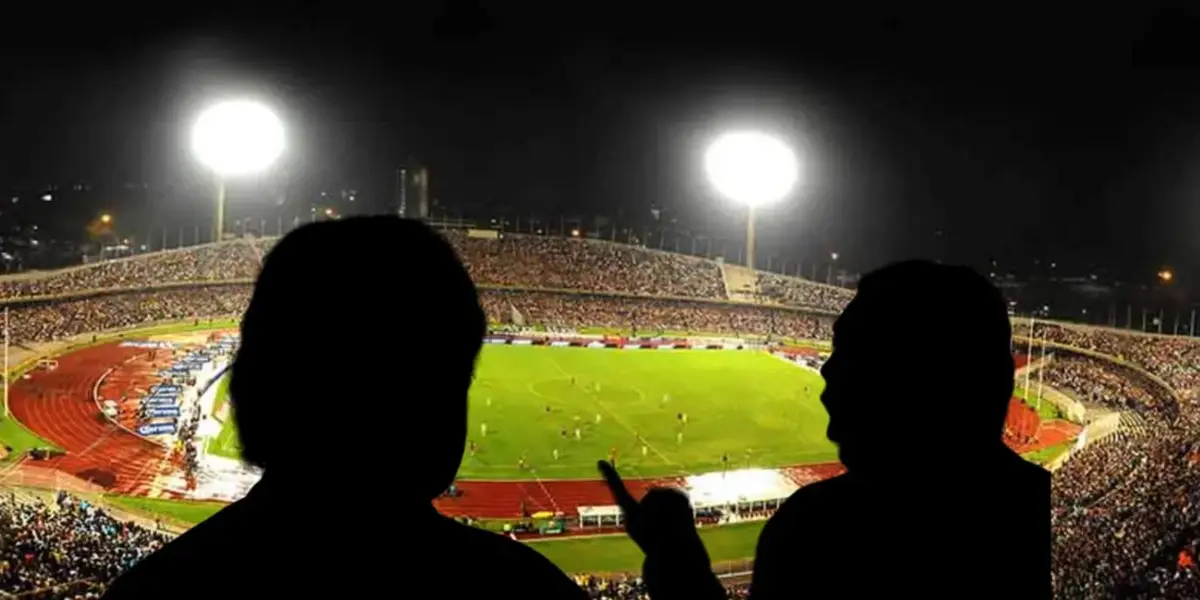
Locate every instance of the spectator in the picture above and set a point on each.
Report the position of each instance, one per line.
(367, 278)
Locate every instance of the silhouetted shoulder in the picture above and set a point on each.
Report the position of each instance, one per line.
(495, 558)
(214, 546)
(796, 537)
(828, 494)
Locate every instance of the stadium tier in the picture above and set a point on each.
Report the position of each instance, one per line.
(1123, 405)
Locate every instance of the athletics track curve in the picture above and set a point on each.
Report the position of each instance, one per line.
(58, 405)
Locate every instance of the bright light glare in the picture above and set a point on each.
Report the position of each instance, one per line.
(237, 137)
(751, 167)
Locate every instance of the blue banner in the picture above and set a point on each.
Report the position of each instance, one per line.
(162, 411)
(159, 401)
(180, 368)
(156, 428)
(166, 388)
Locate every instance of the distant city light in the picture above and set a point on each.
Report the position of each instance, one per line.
(1166, 275)
(751, 168)
(106, 218)
(33, 242)
(834, 256)
(329, 212)
(47, 197)
(574, 233)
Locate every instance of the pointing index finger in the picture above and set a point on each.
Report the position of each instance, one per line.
(617, 486)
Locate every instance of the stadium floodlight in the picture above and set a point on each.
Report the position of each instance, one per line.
(751, 168)
(234, 138)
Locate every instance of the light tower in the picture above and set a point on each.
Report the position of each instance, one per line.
(235, 138)
(754, 169)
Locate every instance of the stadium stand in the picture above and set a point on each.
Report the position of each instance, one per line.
(1126, 508)
(50, 321)
(67, 548)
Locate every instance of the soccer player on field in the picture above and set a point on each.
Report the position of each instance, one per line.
(547, 409)
(562, 432)
(597, 418)
(612, 456)
(483, 429)
(556, 454)
(578, 434)
(471, 447)
(645, 451)
(679, 438)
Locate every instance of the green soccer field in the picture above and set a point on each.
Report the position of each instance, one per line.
(758, 409)
(754, 407)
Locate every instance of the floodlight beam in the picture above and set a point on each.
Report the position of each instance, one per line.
(233, 138)
(751, 168)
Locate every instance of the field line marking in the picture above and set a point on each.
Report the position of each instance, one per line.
(546, 491)
(615, 417)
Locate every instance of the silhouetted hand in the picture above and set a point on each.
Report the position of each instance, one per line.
(663, 526)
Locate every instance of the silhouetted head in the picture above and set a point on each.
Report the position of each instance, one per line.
(921, 359)
(359, 344)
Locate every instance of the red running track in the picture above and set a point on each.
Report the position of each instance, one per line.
(58, 406)
(503, 499)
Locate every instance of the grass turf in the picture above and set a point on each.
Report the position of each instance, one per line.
(1046, 412)
(617, 553)
(759, 410)
(1048, 453)
(14, 435)
(183, 511)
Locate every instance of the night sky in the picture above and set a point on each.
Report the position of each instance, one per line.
(1070, 137)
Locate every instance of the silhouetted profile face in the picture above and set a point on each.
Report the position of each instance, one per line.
(921, 358)
(357, 351)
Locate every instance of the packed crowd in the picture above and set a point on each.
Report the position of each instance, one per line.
(580, 264)
(522, 261)
(599, 588)
(1121, 511)
(648, 316)
(1097, 381)
(1127, 509)
(1175, 359)
(67, 548)
(44, 322)
(213, 262)
(794, 291)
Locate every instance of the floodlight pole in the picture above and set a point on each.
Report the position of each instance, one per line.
(750, 236)
(219, 220)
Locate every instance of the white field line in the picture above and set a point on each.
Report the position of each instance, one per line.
(619, 421)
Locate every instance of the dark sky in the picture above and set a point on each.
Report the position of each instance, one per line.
(1015, 132)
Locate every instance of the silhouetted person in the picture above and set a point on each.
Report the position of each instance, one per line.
(350, 391)
(932, 505)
